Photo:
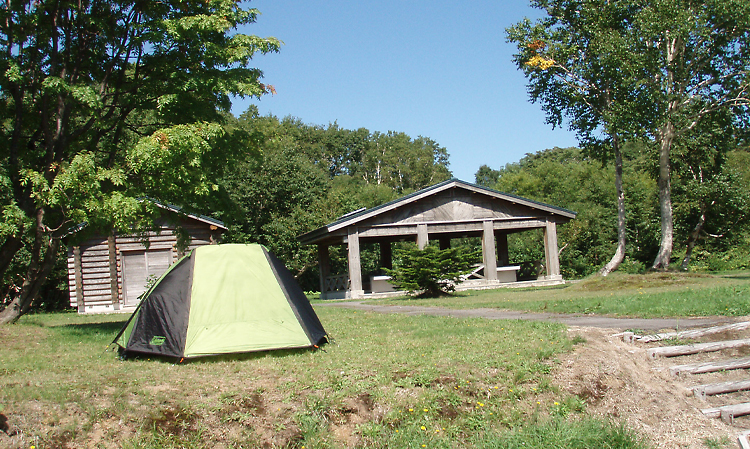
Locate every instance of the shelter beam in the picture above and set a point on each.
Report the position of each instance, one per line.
(407, 230)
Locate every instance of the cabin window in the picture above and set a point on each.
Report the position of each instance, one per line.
(138, 267)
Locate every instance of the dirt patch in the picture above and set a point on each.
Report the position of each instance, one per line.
(173, 420)
(617, 380)
(4, 426)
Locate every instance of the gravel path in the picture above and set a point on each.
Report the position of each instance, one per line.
(569, 319)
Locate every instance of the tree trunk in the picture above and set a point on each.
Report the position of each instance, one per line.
(43, 255)
(8, 251)
(693, 238)
(665, 199)
(619, 255)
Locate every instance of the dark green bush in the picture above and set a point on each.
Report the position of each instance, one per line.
(431, 271)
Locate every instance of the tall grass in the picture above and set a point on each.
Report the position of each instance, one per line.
(561, 434)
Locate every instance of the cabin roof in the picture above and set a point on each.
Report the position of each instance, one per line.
(198, 217)
(168, 207)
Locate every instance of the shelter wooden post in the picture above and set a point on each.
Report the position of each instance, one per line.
(324, 266)
(355, 266)
(488, 251)
(78, 268)
(503, 258)
(386, 255)
(422, 237)
(445, 243)
(114, 289)
(552, 260)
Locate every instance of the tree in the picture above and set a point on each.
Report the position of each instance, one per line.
(570, 178)
(402, 163)
(276, 194)
(693, 59)
(307, 175)
(104, 103)
(709, 199)
(572, 58)
(431, 271)
(486, 176)
(679, 60)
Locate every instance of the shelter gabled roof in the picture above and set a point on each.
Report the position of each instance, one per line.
(361, 215)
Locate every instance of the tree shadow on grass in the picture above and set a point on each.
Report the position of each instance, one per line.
(91, 329)
(424, 295)
(742, 276)
(231, 357)
(234, 357)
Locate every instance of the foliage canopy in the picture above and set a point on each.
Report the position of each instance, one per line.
(655, 69)
(103, 103)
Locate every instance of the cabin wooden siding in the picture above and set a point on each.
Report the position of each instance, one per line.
(96, 267)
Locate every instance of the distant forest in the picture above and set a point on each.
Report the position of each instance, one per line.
(304, 176)
(711, 202)
(102, 108)
(293, 177)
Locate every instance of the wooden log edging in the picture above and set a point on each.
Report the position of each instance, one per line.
(694, 333)
(701, 391)
(727, 413)
(742, 439)
(672, 351)
(699, 368)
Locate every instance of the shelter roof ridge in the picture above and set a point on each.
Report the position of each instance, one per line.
(439, 222)
(355, 216)
(363, 211)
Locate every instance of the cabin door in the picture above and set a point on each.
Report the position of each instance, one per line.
(139, 270)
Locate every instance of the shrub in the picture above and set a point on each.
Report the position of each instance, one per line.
(431, 271)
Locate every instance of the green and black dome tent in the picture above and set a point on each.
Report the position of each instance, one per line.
(222, 299)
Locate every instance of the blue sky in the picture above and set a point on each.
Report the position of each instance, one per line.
(433, 68)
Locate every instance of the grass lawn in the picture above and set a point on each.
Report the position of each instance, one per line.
(646, 296)
(387, 381)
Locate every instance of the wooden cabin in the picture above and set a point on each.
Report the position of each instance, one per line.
(448, 210)
(109, 273)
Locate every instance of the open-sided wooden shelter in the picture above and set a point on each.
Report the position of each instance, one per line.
(450, 209)
(109, 273)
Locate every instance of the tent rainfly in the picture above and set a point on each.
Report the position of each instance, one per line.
(222, 299)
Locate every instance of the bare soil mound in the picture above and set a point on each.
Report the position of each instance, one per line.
(618, 380)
